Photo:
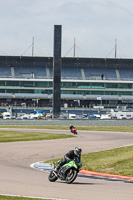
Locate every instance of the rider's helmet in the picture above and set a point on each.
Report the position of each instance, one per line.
(70, 126)
(77, 151)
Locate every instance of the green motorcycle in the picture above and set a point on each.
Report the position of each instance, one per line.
(68, 172)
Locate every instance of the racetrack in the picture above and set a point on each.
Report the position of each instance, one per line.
(17, 178)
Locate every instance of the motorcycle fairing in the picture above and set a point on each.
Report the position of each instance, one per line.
(65, 168)
(71, 164)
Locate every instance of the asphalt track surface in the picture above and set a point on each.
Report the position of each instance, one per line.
(17, 178)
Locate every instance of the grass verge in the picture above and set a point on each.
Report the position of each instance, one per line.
(18, 198)
(15, 136)
(118, 161)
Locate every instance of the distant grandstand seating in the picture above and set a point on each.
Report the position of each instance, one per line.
(30, 71)
(5, 71)
(97, 72)
(126, 73)
(90, 73)
(51, 71)
(71, 72)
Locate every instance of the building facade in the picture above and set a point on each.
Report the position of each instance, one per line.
(85, 82)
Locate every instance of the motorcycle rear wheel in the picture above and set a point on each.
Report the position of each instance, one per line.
(75, 133)
(52, 176)
(71, 175)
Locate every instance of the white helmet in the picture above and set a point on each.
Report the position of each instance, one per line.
(77, 151)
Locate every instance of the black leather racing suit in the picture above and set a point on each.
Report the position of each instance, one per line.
(67, 158)
(71, 127)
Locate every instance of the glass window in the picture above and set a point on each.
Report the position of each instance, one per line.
(27, 83)
(68, 85)
(2, 83)
(12, 83)
(2, 91)
(111, 85)
(43, 84)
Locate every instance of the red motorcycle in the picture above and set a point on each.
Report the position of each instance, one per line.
(74, 131)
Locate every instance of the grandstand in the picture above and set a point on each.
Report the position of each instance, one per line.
(85, 82)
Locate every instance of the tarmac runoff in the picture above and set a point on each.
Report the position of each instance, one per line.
(47, 167)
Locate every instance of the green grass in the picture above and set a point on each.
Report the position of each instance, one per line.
(86, 128)
(114, 161)
(15, 136)
(37, 127)
(117, 161)
(17, 198)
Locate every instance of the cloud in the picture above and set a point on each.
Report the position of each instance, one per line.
(94, 23)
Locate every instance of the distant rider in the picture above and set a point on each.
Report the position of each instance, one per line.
(70, 156)
(71, 127)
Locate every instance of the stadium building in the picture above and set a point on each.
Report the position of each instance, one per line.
(85, 82)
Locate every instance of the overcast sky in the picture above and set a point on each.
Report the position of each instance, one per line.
(95, 25)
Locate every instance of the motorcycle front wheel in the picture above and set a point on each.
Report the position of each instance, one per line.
(71, 175)
(52, 176)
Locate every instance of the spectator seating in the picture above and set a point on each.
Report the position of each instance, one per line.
(71, 72)
(31, 71)
(90, 73)
(5, 71)
(126, 73)
(97, 72)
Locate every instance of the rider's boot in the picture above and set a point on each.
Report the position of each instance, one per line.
(57, 168)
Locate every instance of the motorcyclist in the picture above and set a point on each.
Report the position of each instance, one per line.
(71, 127)
(70, 156)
